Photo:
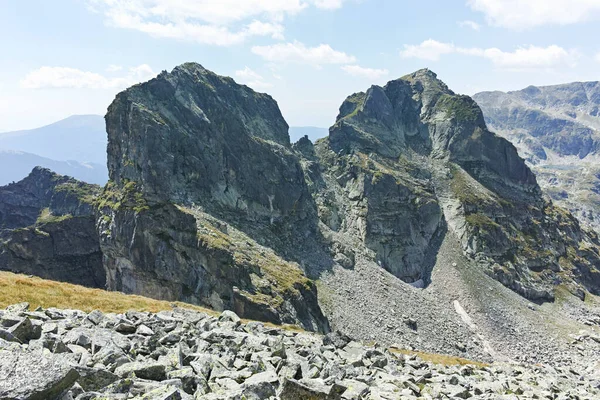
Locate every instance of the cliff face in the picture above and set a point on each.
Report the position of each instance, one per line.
(48, 228)
(202, 177)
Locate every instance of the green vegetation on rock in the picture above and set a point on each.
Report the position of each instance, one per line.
(46, 217)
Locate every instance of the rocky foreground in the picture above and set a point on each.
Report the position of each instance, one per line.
(183, 354)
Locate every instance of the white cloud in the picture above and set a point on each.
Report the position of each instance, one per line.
(65, 77)
(297, 52)
(530, 57)
(221, 23)
(252, 79)
(369, 73)
(523, 14)
(469, 24)
(429, 49)
(113, 68)
(328, 4)
(597, 57)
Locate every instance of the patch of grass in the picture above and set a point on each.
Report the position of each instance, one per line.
(16, 288)
(439, 359)
(86, 193)
(481, 221)
(461, 187)
(46, 217)
(352, 105)
(127, 197)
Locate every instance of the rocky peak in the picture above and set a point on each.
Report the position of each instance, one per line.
(22, 202)
(206, 196)
(200, 136)
(48, 228)
(419, 113)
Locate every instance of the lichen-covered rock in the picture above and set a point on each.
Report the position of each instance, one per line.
(34, 376)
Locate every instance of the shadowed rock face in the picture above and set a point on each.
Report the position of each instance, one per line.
(48, 228)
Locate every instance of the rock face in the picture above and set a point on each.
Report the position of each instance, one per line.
(556, 129)
(48, 228)
(408, 161)
(183, 354)
(202, 177)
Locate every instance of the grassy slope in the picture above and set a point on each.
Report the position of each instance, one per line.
(40, 292)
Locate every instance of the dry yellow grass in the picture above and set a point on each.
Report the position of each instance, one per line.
(40, 292)
(440, 359)
(16, 288)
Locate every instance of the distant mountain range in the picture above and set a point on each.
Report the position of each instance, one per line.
(15, 165)
(556, 129)
(75, 146)
(79, 137)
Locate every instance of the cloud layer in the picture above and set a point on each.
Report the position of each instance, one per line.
(220, 23)
(523, 58)
(253, 79)
(297, 52)
(66, 77)
(369, 73)
(524, 14)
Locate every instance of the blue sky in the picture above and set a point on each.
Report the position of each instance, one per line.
(64, 57)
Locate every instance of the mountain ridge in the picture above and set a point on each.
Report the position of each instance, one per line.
(557, 130)
(411, 203)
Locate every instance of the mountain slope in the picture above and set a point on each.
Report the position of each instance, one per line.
(78, 137)
(557, 130)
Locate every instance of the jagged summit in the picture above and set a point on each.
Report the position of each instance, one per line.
(420, 113)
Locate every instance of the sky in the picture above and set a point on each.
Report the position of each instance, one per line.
(65, 57)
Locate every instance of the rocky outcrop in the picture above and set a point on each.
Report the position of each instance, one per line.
(22, 202)
(206, 194)
(48, 229)
(209, 203)
(183, 354)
